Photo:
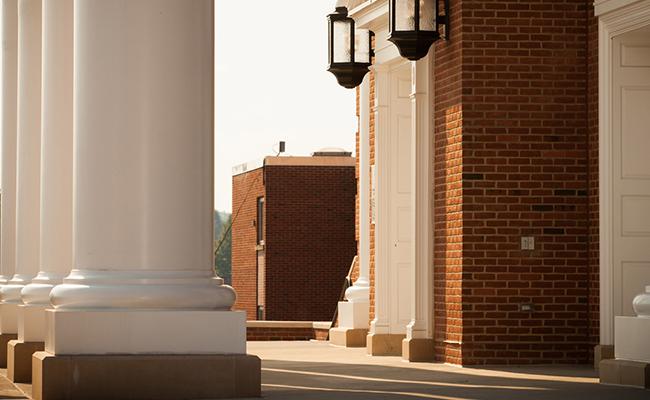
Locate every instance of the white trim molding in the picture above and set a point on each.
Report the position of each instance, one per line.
(616, 17)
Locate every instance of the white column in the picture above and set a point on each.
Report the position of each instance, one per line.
(56, 168)
(381, 323)
(9, 143)
(354, 313)
(29, 150)
(420, 326)
(143, 186)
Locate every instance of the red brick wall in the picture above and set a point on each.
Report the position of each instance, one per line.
(246, 188)
(525, 173)
(280, 334)
(371, 138)
(448, 201)
(592, 112)
(310, 239)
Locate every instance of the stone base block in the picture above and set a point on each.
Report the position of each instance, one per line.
(418, 350)
(348, 337)
(625, 373)
(31, 323)
(9, 318)
(5, 338)
(145, 332)
(19, 360)
(354, 315)
(631, 342)
(602, 352)
(153, 377)
(384, 344)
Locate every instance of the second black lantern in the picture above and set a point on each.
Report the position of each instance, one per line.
(414, 25)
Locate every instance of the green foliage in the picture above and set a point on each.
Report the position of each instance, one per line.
(223, 246)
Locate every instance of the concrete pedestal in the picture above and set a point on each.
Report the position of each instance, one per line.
(601, 353)
(348, 337)
(625, 373)
(19, 360)
(384, 344)
(418, 350)
(5, 338)
(154, 377)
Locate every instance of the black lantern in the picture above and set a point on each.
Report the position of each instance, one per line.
(414, 25)
(350, 49)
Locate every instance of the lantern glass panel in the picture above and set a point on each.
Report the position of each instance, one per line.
(342, 52)
(404, 15)
(428, 15)
(362, 46)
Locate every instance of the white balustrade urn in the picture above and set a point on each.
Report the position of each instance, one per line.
(641, 304)
(359, 292)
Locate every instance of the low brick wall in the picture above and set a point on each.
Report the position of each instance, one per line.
(286, 330)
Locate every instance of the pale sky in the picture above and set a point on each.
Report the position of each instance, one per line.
(272, 85)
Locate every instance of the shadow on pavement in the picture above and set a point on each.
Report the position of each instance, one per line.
(315, 380)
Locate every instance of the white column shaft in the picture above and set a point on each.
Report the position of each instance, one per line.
(144, 147)
(29, 144)
(381, 322)
(360, 291)
(56, 153)
(9, 130)
(420, 326)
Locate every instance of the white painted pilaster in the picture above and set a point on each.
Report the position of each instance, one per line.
(420, 326)
(381, 322)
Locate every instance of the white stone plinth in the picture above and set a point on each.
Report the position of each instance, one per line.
(31, 323)
(354, 315)
(632, 339)
(8, 318)
(145, 332)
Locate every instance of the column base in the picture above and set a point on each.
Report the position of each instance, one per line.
(379, 344)
(625, 373)
(19, 360)
(631, 341)
(145, 332)
(31, 323)
(418, 350)
(154, 377)
(354, 315)
(5, 338)
(602, 352)
(348, 337)
(9, 318)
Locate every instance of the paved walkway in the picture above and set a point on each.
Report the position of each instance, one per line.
(316, 370)
(309, 370)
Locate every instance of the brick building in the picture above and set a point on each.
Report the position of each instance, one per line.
(484, 237)
(293, 235)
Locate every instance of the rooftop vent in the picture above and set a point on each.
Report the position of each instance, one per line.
(331, 152)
